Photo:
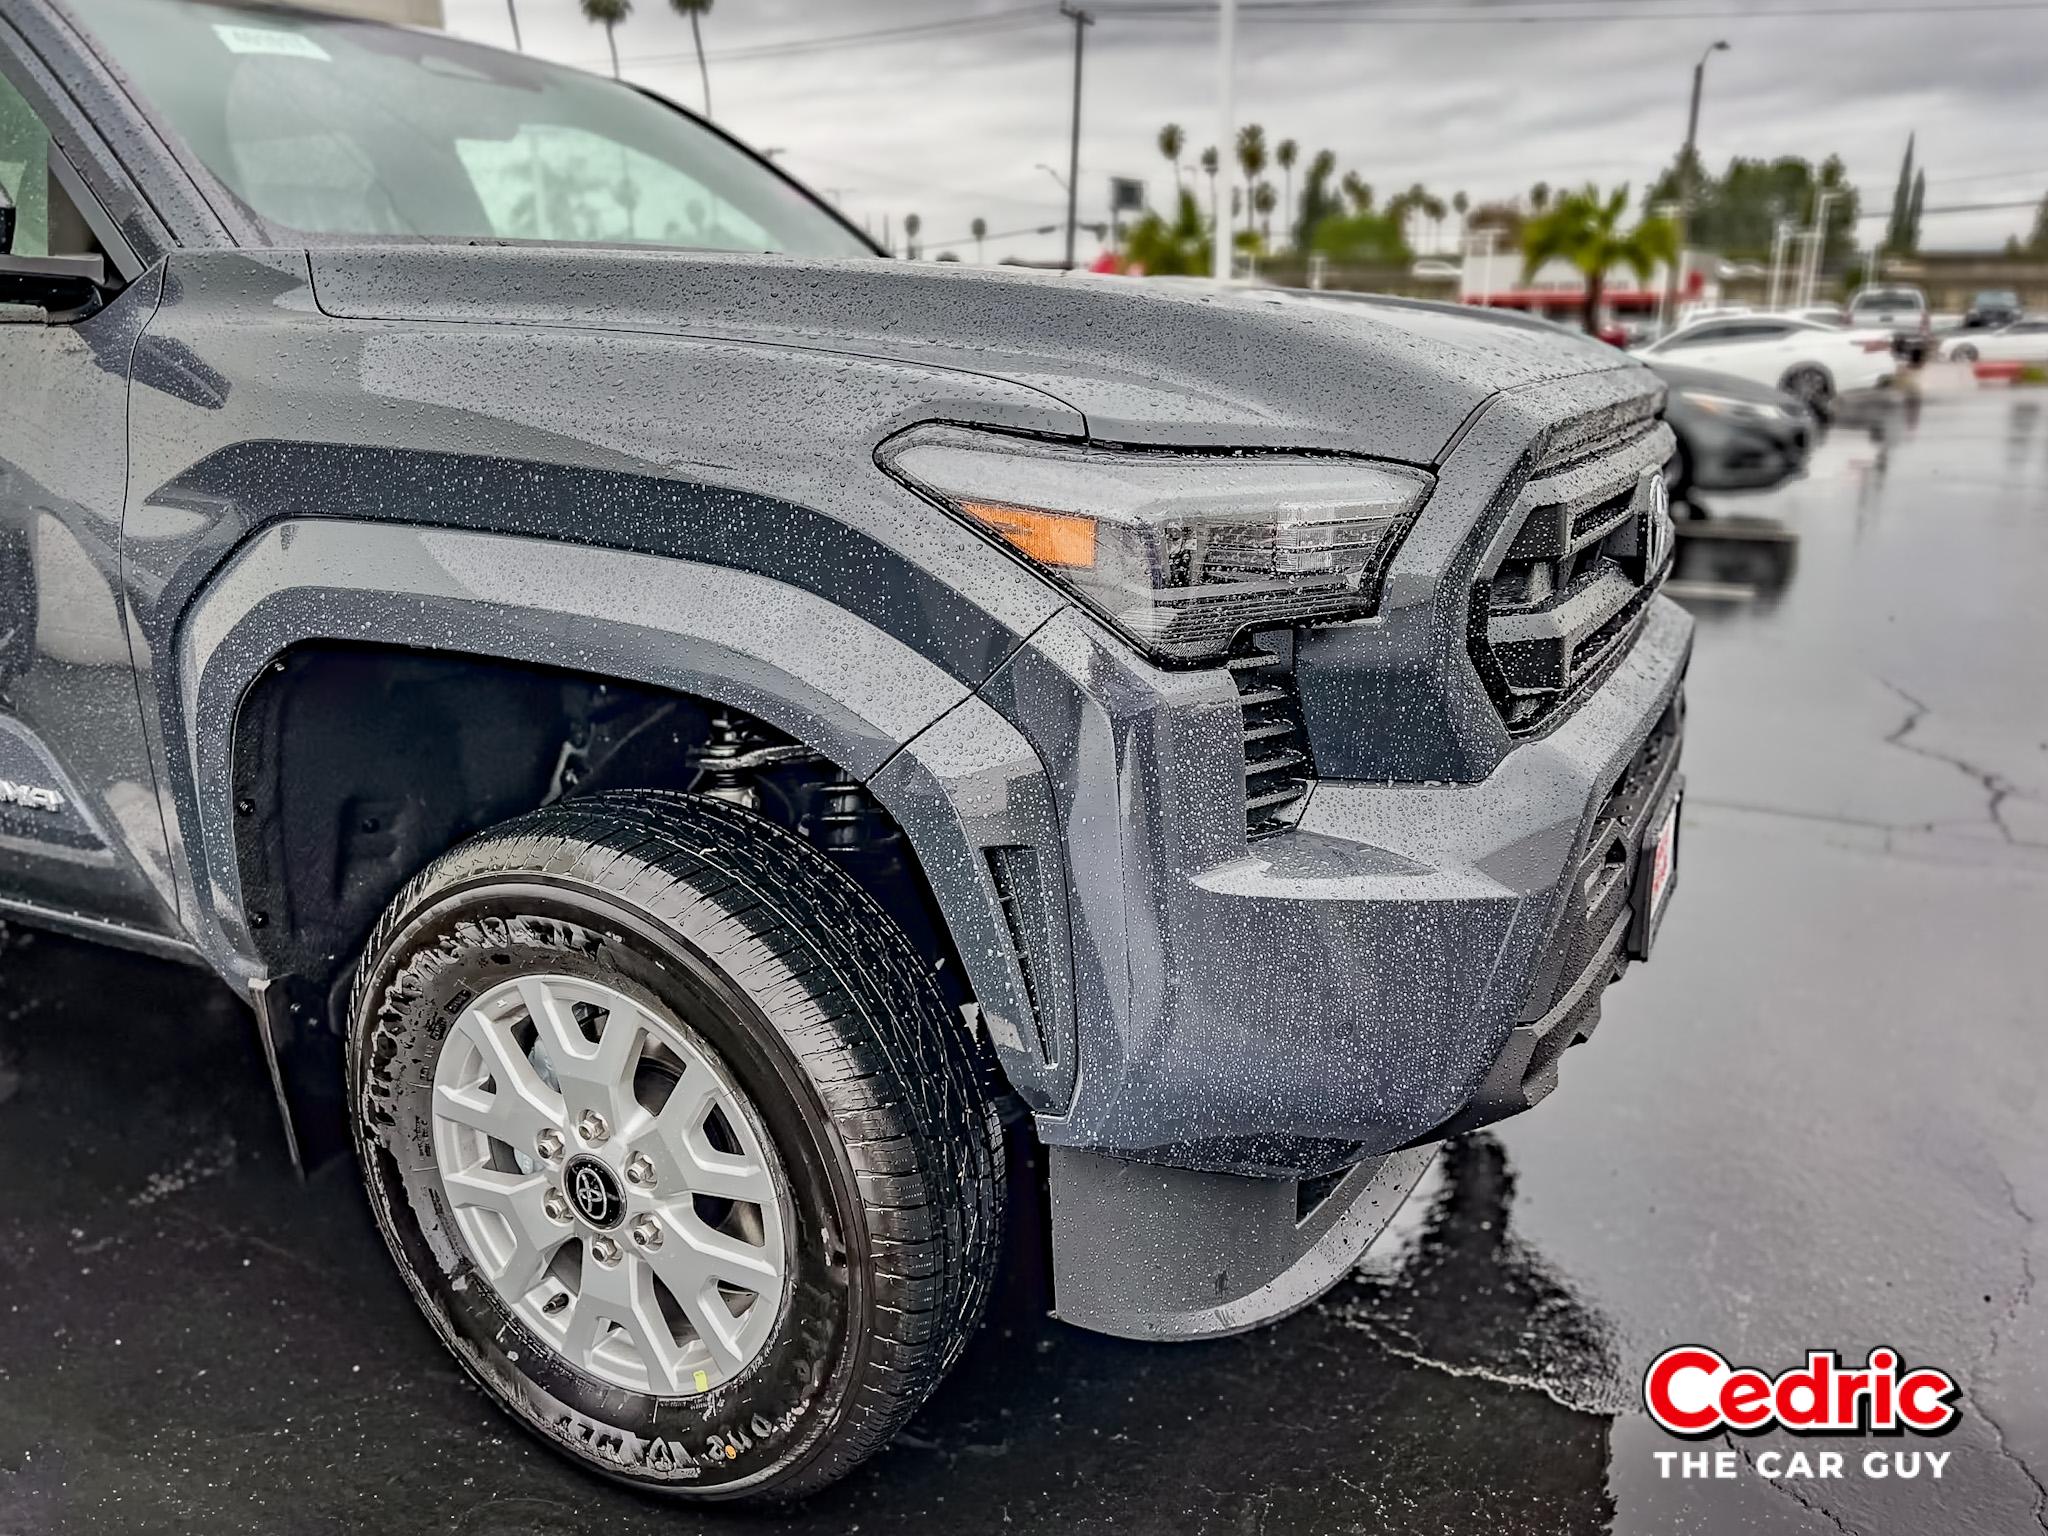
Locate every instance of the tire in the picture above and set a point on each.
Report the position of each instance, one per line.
(1812, 386)
(857, 1108)
(1965, 353)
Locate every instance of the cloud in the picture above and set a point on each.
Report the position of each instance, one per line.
(952, 125)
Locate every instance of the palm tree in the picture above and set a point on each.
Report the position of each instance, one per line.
(608, 14)
(1584, 229)
(1211, 163)
(978, 229)
(697, 10)
(1358, 190)
(1539, 196)
(1264, 200)
(1286, 155)
(1251, 159)
(911, 225)
(1171, 142)
(1461, 205)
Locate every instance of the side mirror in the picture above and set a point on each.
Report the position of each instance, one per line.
(63, 287)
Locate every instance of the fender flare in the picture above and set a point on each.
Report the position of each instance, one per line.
(957, 777)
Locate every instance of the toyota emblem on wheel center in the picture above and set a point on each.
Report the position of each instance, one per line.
(595, 1192)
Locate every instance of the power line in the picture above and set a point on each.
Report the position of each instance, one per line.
(958, 26)
(1343, 13)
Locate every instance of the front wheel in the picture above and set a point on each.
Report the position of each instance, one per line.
(675, 1142)
(1812, 388)
(1965, 353)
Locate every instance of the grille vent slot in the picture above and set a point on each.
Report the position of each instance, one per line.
(1278, 770)
(1013, 870)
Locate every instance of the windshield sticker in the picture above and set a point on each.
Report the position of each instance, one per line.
(290, 45)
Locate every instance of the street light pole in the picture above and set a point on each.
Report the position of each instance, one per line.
(1082, 21)
(1226, 130)
(1692, 131)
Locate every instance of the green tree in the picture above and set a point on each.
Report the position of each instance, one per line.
(1913, 207)
(697, 10)
(1178, 247)
(1358, 192)
(1251, 159)
(1738, 212)
(1585, 229)
(2037, 242)
(978, 229)
(1285, 156)
(1171, 142)
(1898, 228)
(1264, 201)
(1362, 238)
(1318, 202)
(608, 14)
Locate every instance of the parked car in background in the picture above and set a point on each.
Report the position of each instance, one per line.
(1993, 309)
(1733, 434)
(1900, 312)
(2023, 342)
(1821, 314)
(1815, 362)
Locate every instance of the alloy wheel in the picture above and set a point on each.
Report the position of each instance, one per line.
(611, 1183)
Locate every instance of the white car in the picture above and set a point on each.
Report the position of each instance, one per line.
(1806, 358)
(2024, 341)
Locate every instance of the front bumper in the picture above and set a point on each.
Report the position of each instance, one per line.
(1746, 456)
(1408, 963)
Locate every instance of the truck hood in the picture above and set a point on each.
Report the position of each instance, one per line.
(1170, 364)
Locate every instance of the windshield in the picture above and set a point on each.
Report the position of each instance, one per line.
(328, 128)
(1888, 298)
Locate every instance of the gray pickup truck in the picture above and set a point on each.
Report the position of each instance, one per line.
(716, 756)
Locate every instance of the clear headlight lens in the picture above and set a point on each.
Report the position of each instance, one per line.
(1735, 405)
(1179, 551)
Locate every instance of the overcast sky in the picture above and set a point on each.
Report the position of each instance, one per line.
(951, 122)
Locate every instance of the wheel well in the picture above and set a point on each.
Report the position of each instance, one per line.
(356, 765)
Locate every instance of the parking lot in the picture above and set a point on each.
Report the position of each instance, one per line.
(1815, 1121)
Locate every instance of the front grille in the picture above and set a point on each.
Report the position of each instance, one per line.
(1566, 599)
(1277, 768)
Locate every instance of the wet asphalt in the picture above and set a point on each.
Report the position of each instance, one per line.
(1818, 1119)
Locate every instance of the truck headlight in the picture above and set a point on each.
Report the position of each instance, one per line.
(1180, 551)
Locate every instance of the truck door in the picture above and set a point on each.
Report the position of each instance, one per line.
(81, 834)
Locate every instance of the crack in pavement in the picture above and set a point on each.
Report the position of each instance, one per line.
(1509, 1379)
(2021, 1295)
(1790, 1490)
(1997, 788)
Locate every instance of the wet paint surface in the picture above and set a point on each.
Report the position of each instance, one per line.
(1814, 1120)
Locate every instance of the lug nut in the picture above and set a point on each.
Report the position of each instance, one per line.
(605, 1250)
(592, 1127)
(640, 1170)
(548, 1144)
(556, 1204)
(647, 1233)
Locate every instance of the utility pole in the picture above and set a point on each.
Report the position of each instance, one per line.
(1780, 232)
(1226, 130)
(1082, 21)
(512, 10)
(1692, 131)
(1818, 239)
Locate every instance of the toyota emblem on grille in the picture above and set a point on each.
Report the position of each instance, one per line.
(1656, 521)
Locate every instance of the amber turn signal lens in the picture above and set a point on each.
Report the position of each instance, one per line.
(1051, 538)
